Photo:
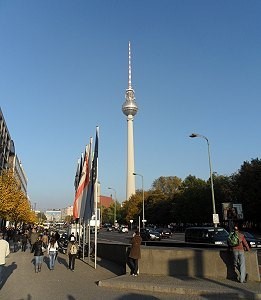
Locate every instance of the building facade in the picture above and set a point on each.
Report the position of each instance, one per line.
(8, 157)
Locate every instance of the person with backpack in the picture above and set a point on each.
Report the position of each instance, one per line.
(72, 251)
(238, 243)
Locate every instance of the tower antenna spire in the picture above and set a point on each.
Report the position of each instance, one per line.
(129, 85)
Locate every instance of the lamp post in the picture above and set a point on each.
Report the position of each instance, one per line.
(215, 216)
(143, 209)
(115, 201)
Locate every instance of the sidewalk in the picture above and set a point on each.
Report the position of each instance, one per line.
(106, 282)
(207, 288)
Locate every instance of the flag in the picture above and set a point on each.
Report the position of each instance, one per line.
(82, 187)
(83, 203)
(89, 207)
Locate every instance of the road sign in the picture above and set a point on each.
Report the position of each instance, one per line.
(215, 218)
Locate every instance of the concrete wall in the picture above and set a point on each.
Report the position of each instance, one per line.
(195, 262)
(172, 261)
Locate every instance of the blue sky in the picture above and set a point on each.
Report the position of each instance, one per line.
(196, 67)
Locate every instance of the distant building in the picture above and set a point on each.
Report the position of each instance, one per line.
(105, 201)
(54, 215)
(67, 211)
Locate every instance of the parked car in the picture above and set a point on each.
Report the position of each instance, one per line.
(164, 232)
(150, 235)
(206, 235)
(252, 241)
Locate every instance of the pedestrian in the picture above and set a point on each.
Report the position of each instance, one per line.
(38, 254)
(135, 253)
(4, 252)
(45, 239)
(16, 240)
(52, 249)
(24, 239)
(33, 238)
(239, 255)
(72, 251)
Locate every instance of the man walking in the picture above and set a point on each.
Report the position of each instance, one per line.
(239, 255)
(4, 252)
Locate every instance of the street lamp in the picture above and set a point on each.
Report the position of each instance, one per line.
(215, 217)
(143, 209)
(115, 201)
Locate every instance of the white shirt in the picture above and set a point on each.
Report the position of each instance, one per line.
(52, 248)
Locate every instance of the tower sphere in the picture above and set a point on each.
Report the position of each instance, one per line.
(129, 107)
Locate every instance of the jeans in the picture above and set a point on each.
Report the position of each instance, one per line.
(72, 261)
(52, 255)
(133, 264)
(38, 261)
(240, 264)
(1, 273)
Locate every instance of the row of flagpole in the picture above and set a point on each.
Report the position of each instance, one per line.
(86, 193)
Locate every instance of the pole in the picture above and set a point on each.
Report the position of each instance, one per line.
(211, 179)
(143, 206)
(193, 135)
(115, 202)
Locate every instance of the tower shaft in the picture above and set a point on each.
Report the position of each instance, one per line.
(130, 108)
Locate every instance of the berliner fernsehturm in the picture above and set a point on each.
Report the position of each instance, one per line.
(130, 108)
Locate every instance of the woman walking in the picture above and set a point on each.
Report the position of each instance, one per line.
(38, 254)
(52, 250)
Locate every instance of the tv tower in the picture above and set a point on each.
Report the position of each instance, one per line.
(130, 108)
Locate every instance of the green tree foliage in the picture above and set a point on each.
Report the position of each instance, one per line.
(167, 185)
(194, 204)
(248, 189)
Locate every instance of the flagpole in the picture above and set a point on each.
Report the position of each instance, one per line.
(96, 203)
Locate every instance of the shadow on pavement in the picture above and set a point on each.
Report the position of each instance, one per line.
(62, 261)
(8, 272)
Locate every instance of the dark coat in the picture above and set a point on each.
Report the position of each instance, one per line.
(135, 247)
(38, 248)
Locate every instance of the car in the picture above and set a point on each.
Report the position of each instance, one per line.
(206, 235)
(150, 235)
(252, 241)
(164, 232)
(123, 228)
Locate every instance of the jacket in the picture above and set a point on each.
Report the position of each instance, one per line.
(242, 243)
(70, 245)
(4, 251)
(135, 247)
(38, 248)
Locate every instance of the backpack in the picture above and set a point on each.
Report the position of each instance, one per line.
(73, 249)
(233, 239)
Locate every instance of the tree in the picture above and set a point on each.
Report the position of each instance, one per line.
(248, 189)
(14, 205)
(167, 185)
(194, 204)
